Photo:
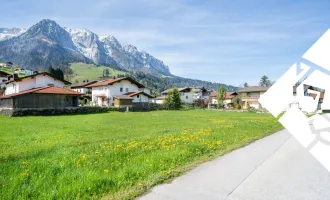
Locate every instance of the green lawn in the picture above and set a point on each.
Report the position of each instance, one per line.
(9, 71)
(115, 155)
(91, 72)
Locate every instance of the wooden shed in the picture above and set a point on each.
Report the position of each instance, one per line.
(43, 97)
(123, 101)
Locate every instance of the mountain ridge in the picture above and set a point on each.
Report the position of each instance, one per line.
(79, 44)
(47, 43)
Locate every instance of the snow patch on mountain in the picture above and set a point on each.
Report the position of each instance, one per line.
(7, 33)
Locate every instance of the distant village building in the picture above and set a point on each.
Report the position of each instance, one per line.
(9, 64)
(82, 87)
(187, 94)
(118, 92)
(227, 100)
(6, 64)
(213, 97)
(160, 100)
(24, 71)
(3, 77)
(250, 96)
(41, 90)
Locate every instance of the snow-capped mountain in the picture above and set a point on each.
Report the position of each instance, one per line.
(106, 49)
(48, 43)
(7, 33)
(44, 44)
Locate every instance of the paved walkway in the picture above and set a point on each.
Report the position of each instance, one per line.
(276, 167)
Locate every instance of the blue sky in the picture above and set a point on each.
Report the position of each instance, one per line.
(220, 41)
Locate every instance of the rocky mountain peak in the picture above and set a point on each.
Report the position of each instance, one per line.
(49, 31)
(78, 45)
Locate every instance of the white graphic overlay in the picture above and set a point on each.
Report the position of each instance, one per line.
(301, 106)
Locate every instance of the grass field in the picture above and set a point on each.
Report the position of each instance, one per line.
(115, 155)
(9, 71)
(89, 71)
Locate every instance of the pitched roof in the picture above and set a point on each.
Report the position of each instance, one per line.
(132, 94)
(121, 97)
(180, 90)
(230, 95)
(214, 94)
(112, 81)
(44, 90)
(33, 75)
(254, 89)
(227, 95)
(82, 85)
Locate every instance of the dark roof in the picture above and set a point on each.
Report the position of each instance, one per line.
(33, 75)
(10, 63)
(120, 97)
(132, 94)
(253, 89)
(44, 90)
(82, 85)
(112, 81)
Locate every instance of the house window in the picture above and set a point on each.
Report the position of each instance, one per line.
(126, 89)
(186, 97)
(138, 96)
(121, 89)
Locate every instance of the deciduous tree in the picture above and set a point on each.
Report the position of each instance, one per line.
(221, 96)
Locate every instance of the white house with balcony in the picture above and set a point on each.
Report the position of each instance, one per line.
(104, 92)
(37, 91)
(14, 84)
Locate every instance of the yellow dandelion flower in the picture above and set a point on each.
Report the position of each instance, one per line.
(25, 163)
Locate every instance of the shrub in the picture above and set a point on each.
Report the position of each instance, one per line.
(252, 109)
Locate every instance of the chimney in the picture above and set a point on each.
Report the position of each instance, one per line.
(113, 77)
(15, 76)
(84, 81)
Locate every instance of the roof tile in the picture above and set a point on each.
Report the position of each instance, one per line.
(44, 90)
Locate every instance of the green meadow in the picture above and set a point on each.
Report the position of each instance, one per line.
(115, 155)
(91, 72)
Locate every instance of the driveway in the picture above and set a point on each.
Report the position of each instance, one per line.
(275, 167)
